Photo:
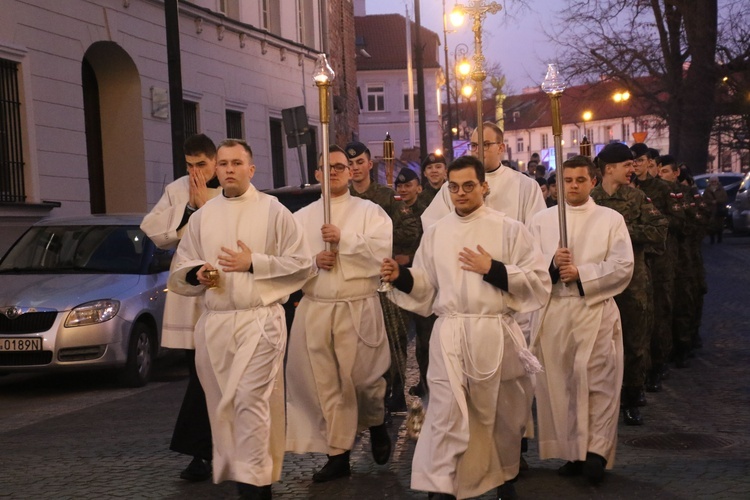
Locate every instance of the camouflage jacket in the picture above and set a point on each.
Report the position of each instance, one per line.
(406, 226)
(428, 194)
(646, 225)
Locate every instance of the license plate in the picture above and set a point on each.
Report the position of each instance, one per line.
(21, 344)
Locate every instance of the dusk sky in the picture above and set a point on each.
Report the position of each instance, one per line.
(514, 39)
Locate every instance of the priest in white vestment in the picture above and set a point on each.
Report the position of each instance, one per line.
(338, 347)
(261, 256)
(579, 342)
(514, 194)
(473, 269)
(165, 225)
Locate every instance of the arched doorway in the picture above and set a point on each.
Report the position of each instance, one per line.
(114, 130)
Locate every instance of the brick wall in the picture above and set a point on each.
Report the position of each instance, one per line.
(345, 121)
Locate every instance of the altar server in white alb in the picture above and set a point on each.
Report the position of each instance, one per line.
(260, 252)
(580, 339)
(165, 225)
(516, 195)
(338, 347)
(473, 269)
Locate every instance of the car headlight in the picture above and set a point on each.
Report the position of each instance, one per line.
(91, 313)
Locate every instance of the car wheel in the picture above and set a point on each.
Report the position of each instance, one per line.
(140, 356)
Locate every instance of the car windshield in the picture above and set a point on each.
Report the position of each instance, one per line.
(702, 181)
(60, 249)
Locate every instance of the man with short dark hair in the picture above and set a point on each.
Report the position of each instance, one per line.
(338, 350)
(165, 225)
(579, 342)
(473, 268)
(648, 229)
(260, 255)
(433, 177)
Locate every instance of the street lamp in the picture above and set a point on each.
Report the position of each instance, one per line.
(585, 145)
(323, 76)
(621, 97)
(448, 145)
(479, 10)
(462, 67)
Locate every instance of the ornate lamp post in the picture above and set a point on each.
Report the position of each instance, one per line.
(585, 142)
(463, 67)
(553, 86)
(479, 10)
(323, 76)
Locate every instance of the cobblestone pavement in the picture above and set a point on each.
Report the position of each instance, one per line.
(694, 443)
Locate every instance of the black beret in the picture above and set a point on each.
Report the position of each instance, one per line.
(355, 148)
(432, 158)
(405, 175)
(653, 153)
(639, 149)
(666, 160)
(615, 152)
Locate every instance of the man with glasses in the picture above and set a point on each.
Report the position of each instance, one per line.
(474, 268)
(510, 192)
(338, 349)
(648, 231)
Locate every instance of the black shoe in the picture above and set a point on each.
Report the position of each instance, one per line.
(571, 469)
(418, 390)
(380, 442)
(198, 470)
(440, 496)
(593, 469)
(641, 398)
(632, 415)
(653, 381)
(336, 467)
(252, 492)
(665, 371)
(507, 491)
(396, 403)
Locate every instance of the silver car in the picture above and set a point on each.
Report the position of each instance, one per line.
(83, 293)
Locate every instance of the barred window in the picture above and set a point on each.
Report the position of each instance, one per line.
(234, 125)
(190, 110)
(11, 143)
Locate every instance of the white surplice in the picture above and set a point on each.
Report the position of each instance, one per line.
(516, 195)
(161, 225)
(241, 338)
(579, 342)
(338, 347)
(480, 392)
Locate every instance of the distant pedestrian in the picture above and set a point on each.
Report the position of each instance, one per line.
(716, 200)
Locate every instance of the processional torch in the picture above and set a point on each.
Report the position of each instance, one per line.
(323, 76)
(553, 86)
(388, 158)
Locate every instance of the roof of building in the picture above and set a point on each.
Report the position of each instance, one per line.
(383, 38)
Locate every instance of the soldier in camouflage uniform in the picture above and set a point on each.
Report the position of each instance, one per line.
(434, 174)
(406, 232)
(409, 189)
(648, 231)
(661, 265)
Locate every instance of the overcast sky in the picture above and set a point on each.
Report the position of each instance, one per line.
(518, 43)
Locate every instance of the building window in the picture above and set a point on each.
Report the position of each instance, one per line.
(545, 141)
(190, 110)
(375, 97)
(516, 116)
(278, 163)
(230, 8)
(234, 125)
(609, 133)
(405, 93)
(625, 131)
(11, 145)
(270, 16)
(305, 22)
(589, 133)
(519, 145)
(574, 136)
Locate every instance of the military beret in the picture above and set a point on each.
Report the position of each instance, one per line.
(639, 149)
(666, 160)
(405, 175)
(653, 153)
(432, 158)
(615, 152)
(356, 148)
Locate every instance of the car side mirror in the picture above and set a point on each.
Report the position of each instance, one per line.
(161, 261)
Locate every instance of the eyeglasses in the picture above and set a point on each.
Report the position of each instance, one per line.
(467, 187)
(473, 146)
(338, 167)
